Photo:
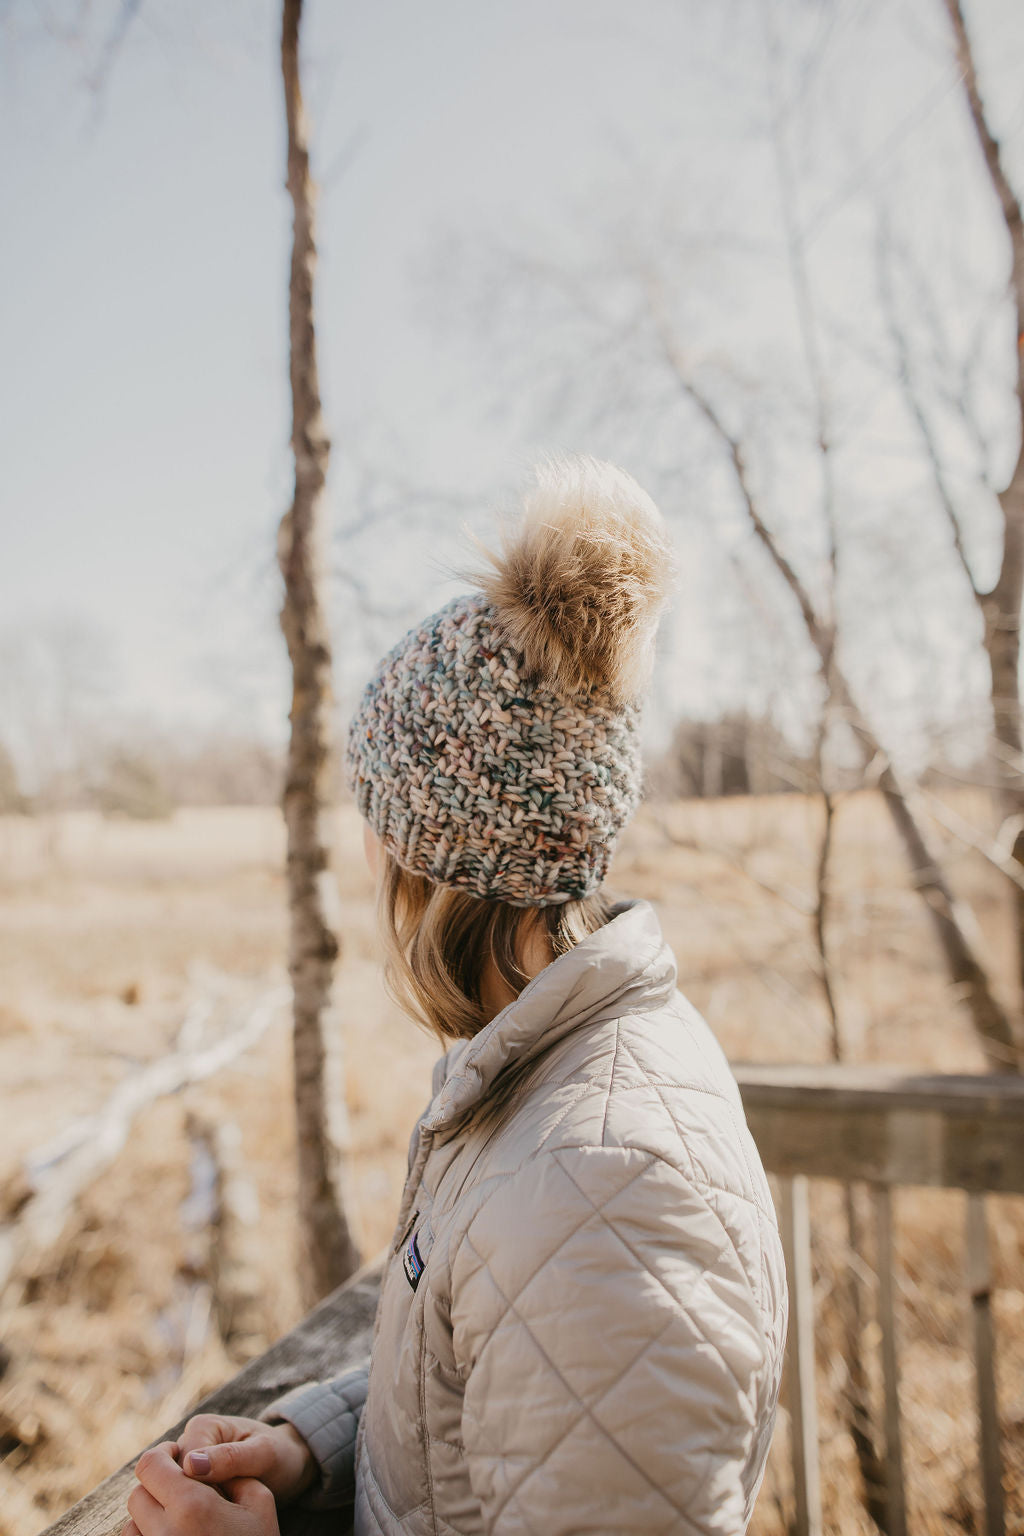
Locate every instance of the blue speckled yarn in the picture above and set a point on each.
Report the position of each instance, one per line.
(478, 777)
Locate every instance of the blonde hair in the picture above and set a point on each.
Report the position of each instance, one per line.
(438, 941)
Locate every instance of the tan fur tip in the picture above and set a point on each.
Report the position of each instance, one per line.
(581, 579)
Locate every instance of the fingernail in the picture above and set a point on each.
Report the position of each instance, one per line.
(199, 1463)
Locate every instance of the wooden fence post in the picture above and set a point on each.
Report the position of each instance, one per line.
(895, 1492)
(794, 1221)
(979, 1282)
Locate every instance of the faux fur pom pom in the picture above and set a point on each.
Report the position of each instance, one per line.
(581, 579)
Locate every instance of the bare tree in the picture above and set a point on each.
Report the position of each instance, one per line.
(331, 1254)
(999, 603)
(964, 963)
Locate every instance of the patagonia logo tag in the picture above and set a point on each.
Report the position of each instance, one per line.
(412, 1263)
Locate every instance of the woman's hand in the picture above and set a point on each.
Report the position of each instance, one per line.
(168, 1503)
(217, 1447)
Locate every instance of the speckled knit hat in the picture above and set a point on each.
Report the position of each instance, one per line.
(497, 746)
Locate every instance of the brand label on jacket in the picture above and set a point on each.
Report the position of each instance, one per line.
(412, 1263)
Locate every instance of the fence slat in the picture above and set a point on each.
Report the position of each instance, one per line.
(794, 1221)
(895, 1492)
(979, 1281)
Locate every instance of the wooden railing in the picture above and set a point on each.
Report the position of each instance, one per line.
(850, 1124)
(885, 1128)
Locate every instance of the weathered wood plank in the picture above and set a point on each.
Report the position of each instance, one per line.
(895, 1489)
(888, 1127)
(842, 1083)
(979, 1282)
(801, 1398)
(333, 1338)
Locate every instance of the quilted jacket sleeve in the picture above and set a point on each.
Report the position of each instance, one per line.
(326, 1415)
(618, 1372)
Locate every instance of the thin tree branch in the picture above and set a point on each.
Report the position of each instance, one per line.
(992, 850)
(114, 42)
(992, 152)
(812, 623)
(800, 279)
(912, 399)
(792, 898)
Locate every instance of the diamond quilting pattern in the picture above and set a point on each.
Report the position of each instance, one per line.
(601, 1340)
(681, 1291)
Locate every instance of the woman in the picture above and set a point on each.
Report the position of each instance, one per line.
(582, 1318)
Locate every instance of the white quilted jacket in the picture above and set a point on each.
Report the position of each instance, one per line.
(582, 1320)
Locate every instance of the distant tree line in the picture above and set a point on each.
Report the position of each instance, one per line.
(148, 777)
(733, 754)
(736, 753)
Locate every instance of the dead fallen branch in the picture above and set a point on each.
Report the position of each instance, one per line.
(57, 1173)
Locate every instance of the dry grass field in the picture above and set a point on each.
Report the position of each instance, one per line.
(179, 1260)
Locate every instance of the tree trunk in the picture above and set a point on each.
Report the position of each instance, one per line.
(1001, 607)
(330, 1254)
(854, 1307)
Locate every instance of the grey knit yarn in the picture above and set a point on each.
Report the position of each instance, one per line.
(476, 776)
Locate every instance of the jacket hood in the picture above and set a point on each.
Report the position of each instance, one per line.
(624, 967)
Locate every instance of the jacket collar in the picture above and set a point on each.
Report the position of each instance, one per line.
(625, 967)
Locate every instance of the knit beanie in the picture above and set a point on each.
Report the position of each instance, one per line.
(496, 748)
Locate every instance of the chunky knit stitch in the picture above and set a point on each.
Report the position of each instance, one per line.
(475, 774)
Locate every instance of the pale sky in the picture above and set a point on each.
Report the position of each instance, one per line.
(143, 460)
